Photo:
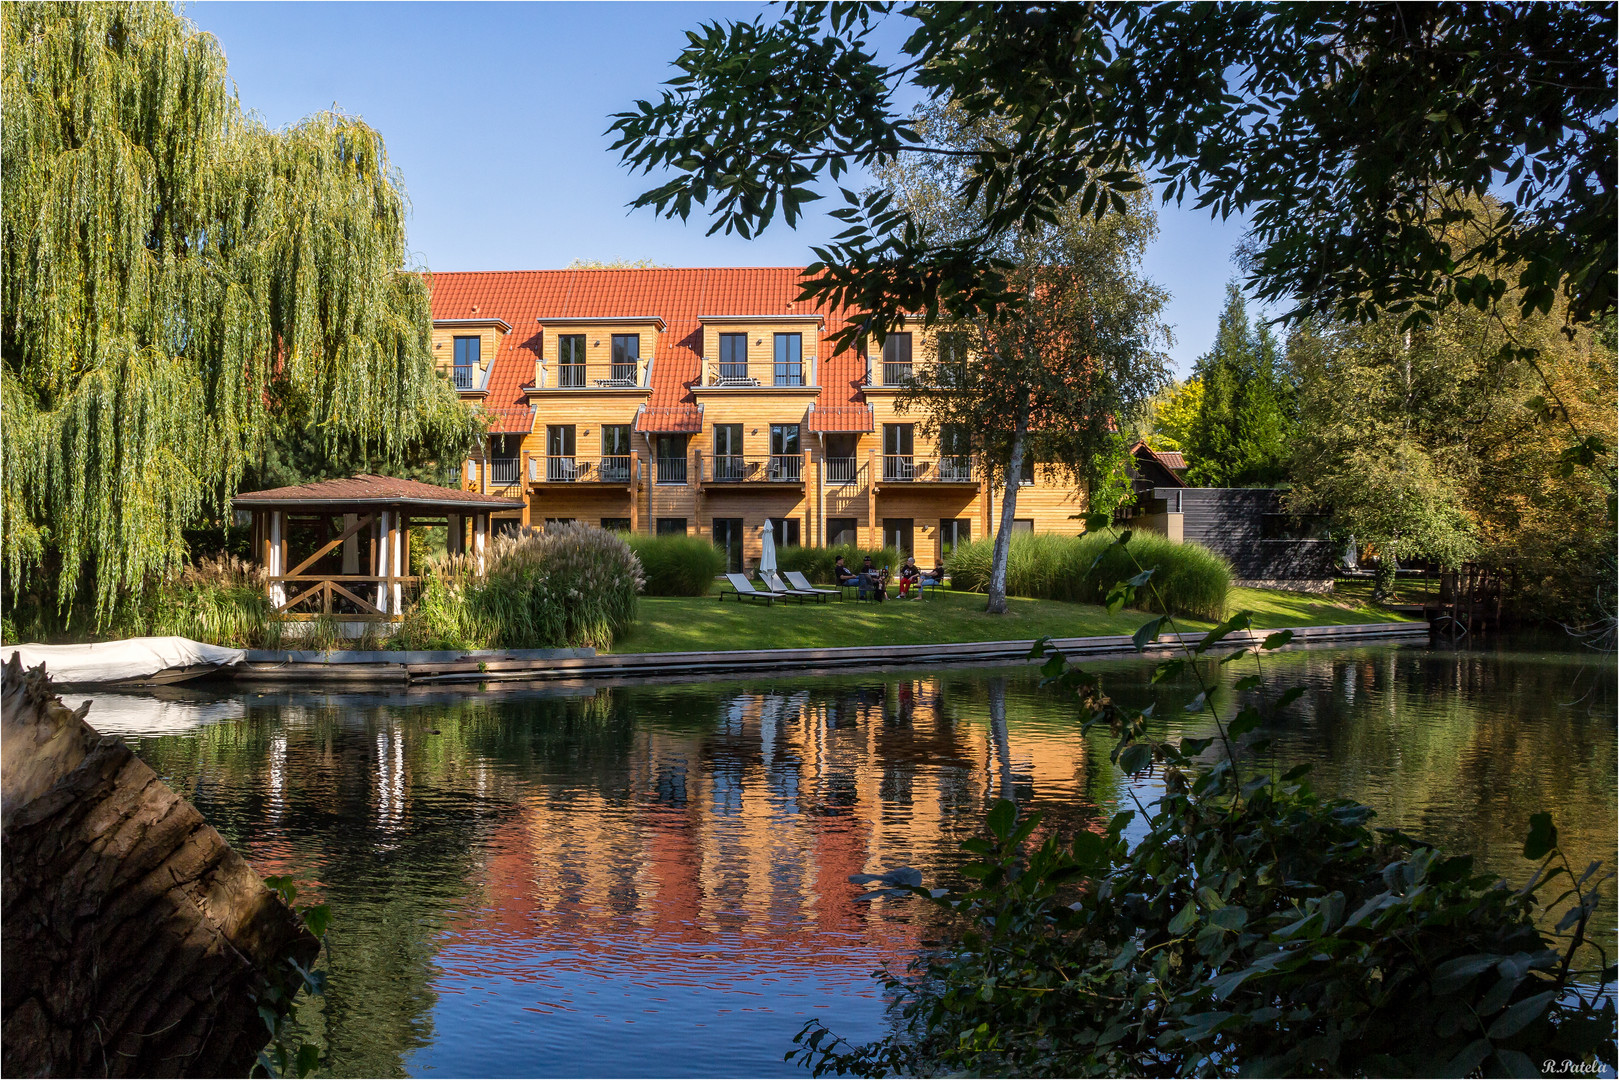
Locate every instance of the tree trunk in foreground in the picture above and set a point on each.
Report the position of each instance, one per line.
(996, 604)
(136, 942)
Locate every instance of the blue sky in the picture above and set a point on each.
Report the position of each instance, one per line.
(494, 114)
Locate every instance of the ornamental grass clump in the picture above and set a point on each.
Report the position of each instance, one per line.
(569, 586)
(221, 601)
(1191, 580)
(677, 565)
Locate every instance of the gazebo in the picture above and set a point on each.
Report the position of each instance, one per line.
(338, 547)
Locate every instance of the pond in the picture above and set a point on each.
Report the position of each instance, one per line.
(653, 880)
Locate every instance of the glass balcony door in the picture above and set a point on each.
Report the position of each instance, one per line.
(617, 457)
(896, 359)
(671, 461)
(789, 360)
(786, 454)
(626, 359)
(899, 451)
(729, 464)
(571, 361)
(468, 351)
(560, 464)
(734, 360)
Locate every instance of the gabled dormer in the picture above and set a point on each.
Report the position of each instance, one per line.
(464, 349)
(593, 354)
(751, 352)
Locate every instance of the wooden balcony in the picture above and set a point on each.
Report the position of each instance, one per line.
(624, 375)
(617, 470)
(760, 375)
(735, 469)
(917, 469)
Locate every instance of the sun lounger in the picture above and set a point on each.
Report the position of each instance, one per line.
(800, 582)
(744, 589)
(776, 584)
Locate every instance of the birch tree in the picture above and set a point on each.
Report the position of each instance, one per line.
(172, 267)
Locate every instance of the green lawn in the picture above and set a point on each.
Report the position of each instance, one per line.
(692, 624)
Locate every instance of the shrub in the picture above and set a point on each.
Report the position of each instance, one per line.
(677, 565)
(1254, 928)
(1190, 579)
(219, 600)
(816, 563)
(572, 585)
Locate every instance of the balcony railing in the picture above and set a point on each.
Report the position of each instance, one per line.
(504, 472)
(842, 470)
(466, 377)
(573, 469)
(741, 469)
(896, 374)
(944, 469)
(734, 375)
(624, 375)
(671, 470)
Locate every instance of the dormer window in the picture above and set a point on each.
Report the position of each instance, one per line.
(733, 359)
(626, 358)
(468, 351)
(789, 360)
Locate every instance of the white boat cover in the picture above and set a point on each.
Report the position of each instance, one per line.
(121, 661)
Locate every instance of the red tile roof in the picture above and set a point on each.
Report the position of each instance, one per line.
(368, 489)
(841, 418)
(670, 420)
(521, 297)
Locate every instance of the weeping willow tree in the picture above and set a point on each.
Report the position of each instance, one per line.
(180, 283)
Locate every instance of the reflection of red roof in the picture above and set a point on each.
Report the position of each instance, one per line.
(672, 420)
(841, 418)
(679, 297)
(368, 489)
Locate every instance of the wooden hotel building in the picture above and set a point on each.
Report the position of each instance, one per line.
(710, 402)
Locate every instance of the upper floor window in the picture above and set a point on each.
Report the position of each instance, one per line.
(467, 353)
(896, 359)
(789, 360)
(733, 357)
(571, 360)
(626, 356)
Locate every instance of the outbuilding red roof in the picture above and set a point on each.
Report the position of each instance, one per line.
(369, 489)
(678, 296)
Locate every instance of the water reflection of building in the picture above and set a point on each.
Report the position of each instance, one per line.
(753, 824)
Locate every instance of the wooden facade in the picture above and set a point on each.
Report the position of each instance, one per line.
(735, 414)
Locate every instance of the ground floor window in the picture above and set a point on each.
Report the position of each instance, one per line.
(559, 521)
(900, 533)
(952, 534)
(728, 538)
(1023, 526)
(785, 532)
(671, 526)
(841, 531)
(616, 524)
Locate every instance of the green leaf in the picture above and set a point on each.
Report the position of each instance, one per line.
(1168, 670)
(1148, 633)
(1097, 520)
(1185, 920)
(318, 918)
(1277, 640)
(1244, 722)
(308, 1059)
(1239, 621)
(1002, 818)
(1453, 974)
(1289, 696)
(1520, 1015)
(1542, 837)
(1134, 758)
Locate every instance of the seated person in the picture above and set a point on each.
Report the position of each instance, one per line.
(934, 577)
(909, 575)
(869, 579)
(844, 576)
(879, 584)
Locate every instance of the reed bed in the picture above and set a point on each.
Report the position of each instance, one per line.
(677, 565)
(1188, 578)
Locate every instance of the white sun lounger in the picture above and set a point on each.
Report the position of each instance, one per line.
(774, 581)
(801, 583)
(744, 588)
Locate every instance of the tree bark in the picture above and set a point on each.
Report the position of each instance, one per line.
(996, 604)
(136, 942)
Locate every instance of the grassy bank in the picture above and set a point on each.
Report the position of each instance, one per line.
(691, 624)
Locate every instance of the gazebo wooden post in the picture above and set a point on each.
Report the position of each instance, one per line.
(384, 558)
(401, 560)
(351, 547)
(480, 538)
(276, 564)
(453, 537)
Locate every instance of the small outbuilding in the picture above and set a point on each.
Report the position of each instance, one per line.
(339, 547)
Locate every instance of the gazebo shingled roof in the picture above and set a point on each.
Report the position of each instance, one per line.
(369, 489)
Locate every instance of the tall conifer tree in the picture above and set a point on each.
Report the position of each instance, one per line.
(1240, 438)
(178, 280)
